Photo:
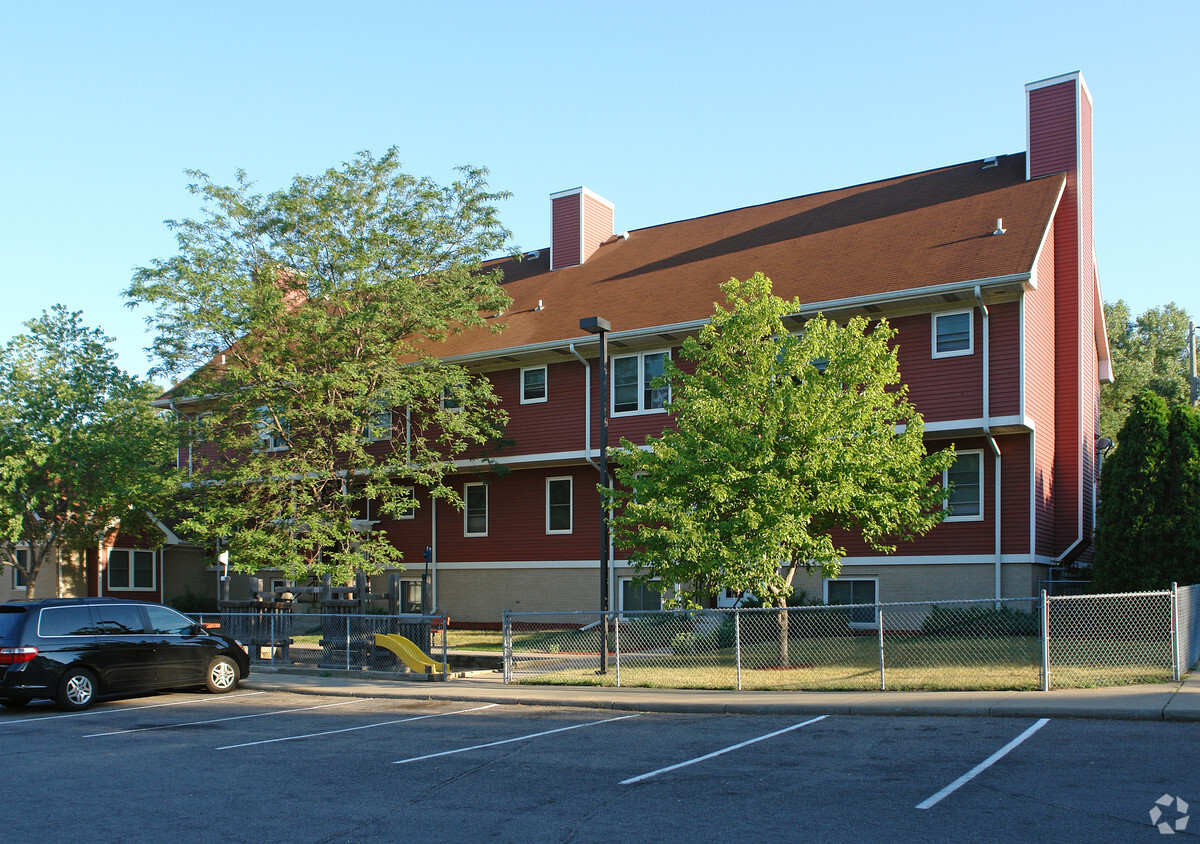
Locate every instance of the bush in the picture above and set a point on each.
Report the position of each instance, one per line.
(649, 632)
(193, 602)
(979, 621)
(710, 638)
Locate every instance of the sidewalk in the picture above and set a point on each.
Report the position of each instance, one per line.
(1156, 702)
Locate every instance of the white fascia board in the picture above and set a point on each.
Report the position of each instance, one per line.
(959, 560)
(1074, 75)
(899, 296)
(1017, 423)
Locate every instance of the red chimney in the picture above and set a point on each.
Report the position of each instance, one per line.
(579, 222)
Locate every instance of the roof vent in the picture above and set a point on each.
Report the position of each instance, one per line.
(990, 162)
(1000, 226)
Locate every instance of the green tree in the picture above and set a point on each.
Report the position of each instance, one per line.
(80, 446)
(1148, 534)
(308, 319)
(1148, 353)
(779, 438)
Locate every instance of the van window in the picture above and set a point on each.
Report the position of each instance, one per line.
(118, 619)
(10, 619)
(65, 621)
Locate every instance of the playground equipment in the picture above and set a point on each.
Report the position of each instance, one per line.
(410, 654)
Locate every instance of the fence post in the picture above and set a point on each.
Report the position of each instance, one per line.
(347, 643)
(737, 644)
(1175, 660)
(882, 669)
(1045, 613)
(617, 644)
(273, 639)
(506, 627)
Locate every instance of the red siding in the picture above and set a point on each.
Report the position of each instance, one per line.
(597, 225)
(565, 215)
(555, 424)
(1040, 392)
(1004, 349)
(940, 388)
(1052, 129)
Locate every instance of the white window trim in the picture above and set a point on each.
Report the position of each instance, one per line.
(486, 509)
(969, 350)
(621, 581)
(131, 587)
(20, 587)
(571, 482)
(411, 512)
(372, 429)
(874, 622)
(545, 384)
(446, 395)
(946, 485)
(641, 392)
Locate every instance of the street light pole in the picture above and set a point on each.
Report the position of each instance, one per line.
(601, 326)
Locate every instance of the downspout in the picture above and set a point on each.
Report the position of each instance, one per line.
(987, 432)
(587, 408)
(433, 554)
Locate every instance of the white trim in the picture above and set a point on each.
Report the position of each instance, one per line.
(108, 587)
(518, 564)
(934, 352)
(619, 588)
(1021, 357)
(642, 386)
(486, 514)
(946, 481)
(946, 560)
(411, 512)
(1033, 493)
(545, 383)
(570, 503)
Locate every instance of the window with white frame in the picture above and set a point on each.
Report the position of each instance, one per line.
(377, 427)
(558, 505)
(411, 512)
(130, 568)
(637, 596)
(533, 384)
(632, 377)
(270, 431)
(19, 583)
(953, 334)
(475, 509)
(965, 482)
(848, 591)
(410, 597)
(449, 400)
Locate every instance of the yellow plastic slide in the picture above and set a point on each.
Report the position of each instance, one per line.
(412, 656)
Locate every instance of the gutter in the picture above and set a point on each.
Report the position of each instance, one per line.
(587, 408)
(987, 432)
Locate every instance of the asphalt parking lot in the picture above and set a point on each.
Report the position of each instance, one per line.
(264, 765)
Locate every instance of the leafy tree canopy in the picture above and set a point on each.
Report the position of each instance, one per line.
(80, 446)
(1148, 353)
(779, 438)
(307, 322)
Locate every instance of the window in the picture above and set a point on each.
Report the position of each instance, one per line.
(965, 481)
(637, 596)
(18, 576)
(632, 376)
(167, 622)
(378, 426)
(845, 592)
(475, 510)
(533, 384)
(270, 431)
(558, 505)
(411, 512)
(953, 334)
(449, 400)
(117, 619)
(410, 597)
(129, 568)
(66, 621)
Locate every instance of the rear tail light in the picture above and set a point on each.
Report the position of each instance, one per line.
(14, 656)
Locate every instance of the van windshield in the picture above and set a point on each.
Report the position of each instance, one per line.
(10, 618)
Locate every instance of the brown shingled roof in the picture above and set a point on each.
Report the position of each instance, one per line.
(875, 239)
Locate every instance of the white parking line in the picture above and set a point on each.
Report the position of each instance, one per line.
(230, 718)
(352, 729)
(511, 740)
(723, 750)
(982, 766)
(214, 699)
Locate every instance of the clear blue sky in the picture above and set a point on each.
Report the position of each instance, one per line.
(669, 110)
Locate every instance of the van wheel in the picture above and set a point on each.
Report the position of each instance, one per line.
(77, 690)
(222, 675)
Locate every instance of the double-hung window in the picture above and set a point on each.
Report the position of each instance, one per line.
(558, 505)
(533, 384)
(130, 568)
(270, 431)
(849, 592)
(632, 379)
(953, 334)
(19, 583)
(377, 427)
(475, 509)
(965, 480)
(639, 597)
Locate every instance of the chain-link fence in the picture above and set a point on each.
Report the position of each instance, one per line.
(336, 640)
(1021, 643)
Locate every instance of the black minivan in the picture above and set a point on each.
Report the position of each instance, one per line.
(75, 650)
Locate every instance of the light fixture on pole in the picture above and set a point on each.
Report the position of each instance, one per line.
(601, 326)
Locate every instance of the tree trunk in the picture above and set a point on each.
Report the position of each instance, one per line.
(782, 619)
